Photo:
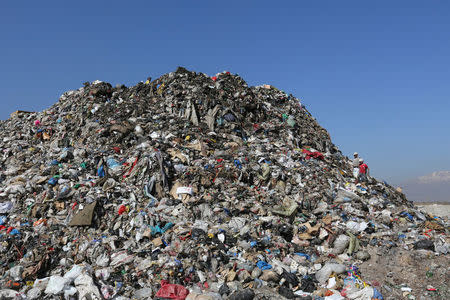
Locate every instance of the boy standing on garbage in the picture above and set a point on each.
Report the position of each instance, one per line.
(363, 171)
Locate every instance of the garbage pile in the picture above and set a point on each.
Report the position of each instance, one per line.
(190, 187)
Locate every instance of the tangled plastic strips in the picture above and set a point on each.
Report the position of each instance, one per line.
(353, 273)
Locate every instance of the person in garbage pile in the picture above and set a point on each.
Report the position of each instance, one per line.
(363, 171)
(355, 165)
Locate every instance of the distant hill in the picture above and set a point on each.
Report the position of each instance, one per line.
(434, 187)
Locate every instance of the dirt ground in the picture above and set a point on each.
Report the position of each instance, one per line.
(394, 268)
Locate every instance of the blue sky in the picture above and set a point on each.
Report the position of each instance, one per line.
(374, 74)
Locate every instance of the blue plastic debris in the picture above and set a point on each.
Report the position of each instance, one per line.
(410, 217)
(156, 229)
(101, 171)
(112, 163)
(53, 181)
(238, 164)
(263, 265)
(377, 294)
(54, 162)
(303, 254)
(14, 232)
(220, 121)
(229, 117)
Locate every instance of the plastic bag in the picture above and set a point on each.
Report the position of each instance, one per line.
(172, 291)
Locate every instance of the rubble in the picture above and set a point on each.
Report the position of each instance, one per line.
(192, 187)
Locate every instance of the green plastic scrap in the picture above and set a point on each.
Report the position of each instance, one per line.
(29, 208)
(291, 121)
(353, 246)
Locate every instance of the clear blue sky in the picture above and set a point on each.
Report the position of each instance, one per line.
(375, 74)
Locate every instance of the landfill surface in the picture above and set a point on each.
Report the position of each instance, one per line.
(437, 209)
(198, 187)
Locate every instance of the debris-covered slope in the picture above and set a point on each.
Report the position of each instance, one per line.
(201, 185)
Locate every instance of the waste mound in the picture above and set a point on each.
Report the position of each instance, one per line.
(191, 187)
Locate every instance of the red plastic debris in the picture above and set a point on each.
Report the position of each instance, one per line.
(172, 291)
(116, 149)
(132, 167)
(214, 78)
(316, 154)
(122, 209)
